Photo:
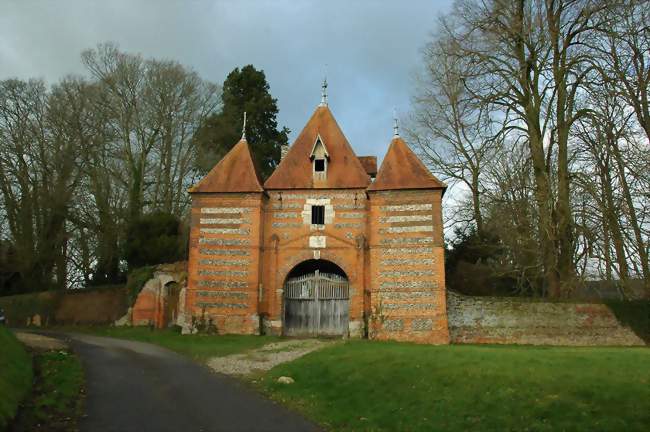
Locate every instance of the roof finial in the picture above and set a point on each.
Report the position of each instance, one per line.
(323, 100)
(243, 129)
(395, 123)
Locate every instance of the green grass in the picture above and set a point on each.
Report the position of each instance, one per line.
(389, 386)
(56, 399)
(15, 375)
(200, 347)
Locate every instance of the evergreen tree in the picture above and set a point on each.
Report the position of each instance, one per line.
(243, 90)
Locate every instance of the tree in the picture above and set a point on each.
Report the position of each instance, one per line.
(82, 159)
(144, 157)
(453, 129)
(39, 173)
(153, 108)
(529, 58)
(153, 238)
(623, 62)
(244, 90)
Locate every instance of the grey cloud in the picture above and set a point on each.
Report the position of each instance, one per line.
(370, 48)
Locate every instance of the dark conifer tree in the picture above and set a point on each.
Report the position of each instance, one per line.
(244, 89)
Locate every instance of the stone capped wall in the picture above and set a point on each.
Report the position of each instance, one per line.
(406, 273)
(224, 261)
(520, 321)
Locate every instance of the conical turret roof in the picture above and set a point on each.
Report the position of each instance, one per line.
(344, 170)
(236, 172)
(402, 169)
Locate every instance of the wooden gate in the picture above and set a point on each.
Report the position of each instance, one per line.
(316, 304)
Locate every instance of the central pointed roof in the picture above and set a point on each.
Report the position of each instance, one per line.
(236, 172)
(344, 170)
(402, 169)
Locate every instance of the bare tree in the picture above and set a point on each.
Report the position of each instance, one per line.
(529, 59)
(452, 128)
(39, 173)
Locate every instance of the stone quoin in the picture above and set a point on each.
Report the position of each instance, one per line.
(327, 245)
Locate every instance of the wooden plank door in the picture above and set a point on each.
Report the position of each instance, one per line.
(316, 304)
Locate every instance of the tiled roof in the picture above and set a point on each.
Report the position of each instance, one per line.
(236, 172)
(344, 170)
(402, 169)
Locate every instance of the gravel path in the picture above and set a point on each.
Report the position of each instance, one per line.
(40, 342)
(266, 357)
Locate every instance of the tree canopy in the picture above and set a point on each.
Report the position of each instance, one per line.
(538, 109)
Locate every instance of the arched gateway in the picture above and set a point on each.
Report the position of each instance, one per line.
(262, 254)
(316, 300)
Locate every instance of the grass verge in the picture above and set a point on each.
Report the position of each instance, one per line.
(199, 347)
(56, 399)
(389, 386)
(15, 376)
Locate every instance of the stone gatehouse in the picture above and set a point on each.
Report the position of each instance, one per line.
(327, 245)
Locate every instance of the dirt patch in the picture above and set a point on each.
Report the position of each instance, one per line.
(38, 342)
(266, 357)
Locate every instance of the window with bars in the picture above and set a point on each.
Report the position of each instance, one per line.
(318, 215)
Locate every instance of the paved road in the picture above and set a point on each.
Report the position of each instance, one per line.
(134, 386)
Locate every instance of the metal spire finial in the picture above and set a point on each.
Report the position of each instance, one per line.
(395, 123)
(323, 100)
(243, 129)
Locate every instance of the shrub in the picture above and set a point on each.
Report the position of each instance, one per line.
(135, 281)
(203, 324)
(154, 238)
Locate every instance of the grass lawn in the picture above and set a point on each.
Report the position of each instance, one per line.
(15, 375)
(200, 347)
(56, 399)
(389, 386)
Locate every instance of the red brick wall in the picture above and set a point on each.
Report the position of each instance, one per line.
(406, 274)
(92, 306)
(287, 233)
(224, 260)
(389, 246)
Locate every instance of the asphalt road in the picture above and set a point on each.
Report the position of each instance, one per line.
(134, 386)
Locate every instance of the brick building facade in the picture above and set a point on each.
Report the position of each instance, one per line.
(327, 245)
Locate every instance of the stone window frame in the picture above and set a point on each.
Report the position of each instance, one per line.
(329, 212)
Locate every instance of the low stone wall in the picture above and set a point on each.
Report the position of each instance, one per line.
(511, 320)
(91, 306)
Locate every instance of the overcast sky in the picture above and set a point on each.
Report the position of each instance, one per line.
(369, 50)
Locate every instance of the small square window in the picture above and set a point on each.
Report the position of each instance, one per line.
(318, 215)
(319, 165)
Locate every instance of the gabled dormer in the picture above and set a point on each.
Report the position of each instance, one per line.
(319, 159)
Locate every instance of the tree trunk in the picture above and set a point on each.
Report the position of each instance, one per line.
(545, 228)
(640, 243)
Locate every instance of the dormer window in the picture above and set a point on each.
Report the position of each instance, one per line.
(319, 157)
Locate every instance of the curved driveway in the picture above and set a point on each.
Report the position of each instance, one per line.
(134, 386)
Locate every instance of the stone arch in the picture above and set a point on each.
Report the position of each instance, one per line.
(316, 298)
(284, 270)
